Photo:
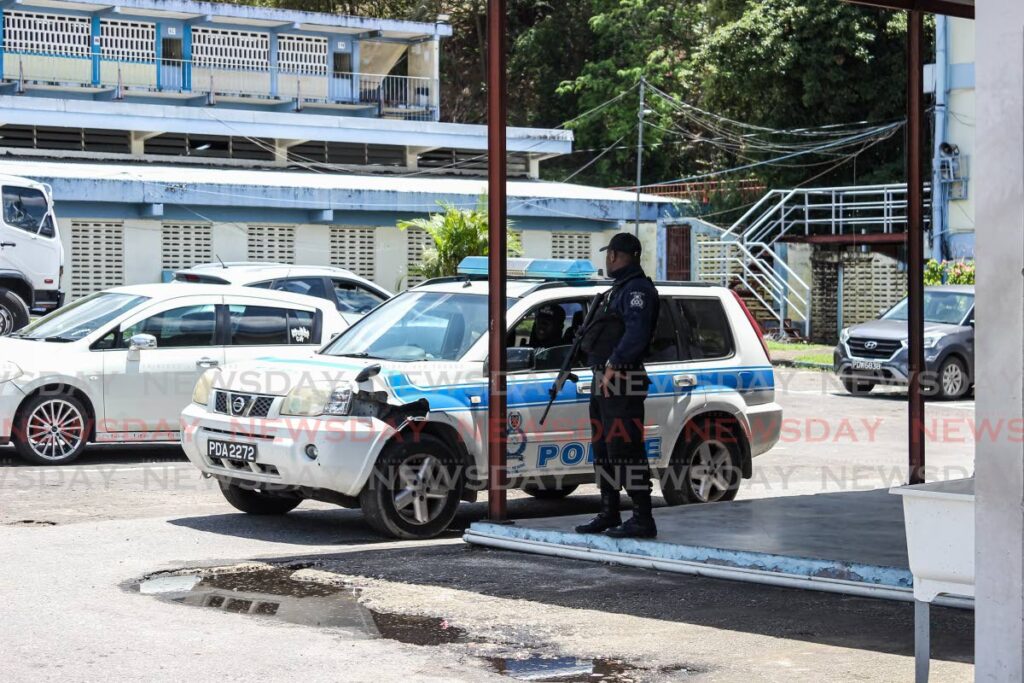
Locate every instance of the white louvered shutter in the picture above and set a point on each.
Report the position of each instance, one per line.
(215, 48)
(183, 245)
(97, 257)
(128, 41)
(416, 242)
(570, 245)
(354, 249)
(271, 243)
(302, 55)
(57, 34)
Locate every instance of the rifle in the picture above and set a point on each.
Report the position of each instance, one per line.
(565, 372)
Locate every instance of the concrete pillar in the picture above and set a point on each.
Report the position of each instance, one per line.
(999, 460)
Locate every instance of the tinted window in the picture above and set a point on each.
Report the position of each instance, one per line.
(664, 345)
(26, 209)
(417, 325)
(179, 327)
(354, 298)
(549, 330)
(271, 326)
(705, 329)
(310, 286)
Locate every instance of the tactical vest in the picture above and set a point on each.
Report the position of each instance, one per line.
(605, 332)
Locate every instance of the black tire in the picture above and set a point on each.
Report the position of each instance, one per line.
(51, 428)
(690, 461)
(254, 502)
(550, 493)
(14, 313)
(951, 382)
(857, 387)
(426, 474)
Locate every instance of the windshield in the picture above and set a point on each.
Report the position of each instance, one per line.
(939, 307)
(81, 318)
(417, 326)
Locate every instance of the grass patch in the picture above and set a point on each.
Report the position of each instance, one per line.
(799, 346)
(824, 358)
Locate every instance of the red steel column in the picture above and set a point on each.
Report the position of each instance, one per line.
(497, 274)
(915, 243)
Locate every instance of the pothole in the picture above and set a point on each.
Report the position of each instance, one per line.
(272, 593)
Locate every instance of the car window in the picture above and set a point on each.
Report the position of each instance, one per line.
(82, 317)
(549, 329)
(705, 329)
(355, 298)
(271, 326)
(664, 344)
(262, 285)
(179, 327)
(416, 326)
(309, 286)
(25, 208)
(939, 307)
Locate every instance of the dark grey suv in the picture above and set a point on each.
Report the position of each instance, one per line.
(875, 352)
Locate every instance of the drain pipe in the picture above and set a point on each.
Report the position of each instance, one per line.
(729, 573)
(939, 201)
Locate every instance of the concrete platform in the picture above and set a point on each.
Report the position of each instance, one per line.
(851, 542)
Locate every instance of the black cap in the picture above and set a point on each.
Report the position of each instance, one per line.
(626, 242)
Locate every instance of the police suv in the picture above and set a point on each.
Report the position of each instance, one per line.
(391, 416)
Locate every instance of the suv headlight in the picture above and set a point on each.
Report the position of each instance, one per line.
(932, 340)
(311, 401)
(844, 336)
(201, 393)
(9, 371)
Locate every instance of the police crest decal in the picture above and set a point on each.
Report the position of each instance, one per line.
(637, 300)
(515, 443)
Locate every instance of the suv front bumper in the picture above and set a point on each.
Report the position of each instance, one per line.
(347, 449)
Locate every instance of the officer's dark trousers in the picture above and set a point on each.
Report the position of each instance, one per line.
(616, 423)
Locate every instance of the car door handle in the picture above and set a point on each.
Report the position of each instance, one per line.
(206, 363)
(684, 381)
(7, 244)
(582, 388)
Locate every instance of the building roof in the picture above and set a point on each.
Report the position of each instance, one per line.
(953, 8)
(264, 18)
(413, 192)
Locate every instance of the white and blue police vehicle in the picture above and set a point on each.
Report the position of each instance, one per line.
(391, 416)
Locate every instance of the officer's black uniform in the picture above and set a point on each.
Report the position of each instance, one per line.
(619, 338)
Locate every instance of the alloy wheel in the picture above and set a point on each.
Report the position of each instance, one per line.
(710, 473)
(6, 321)
(952, 379)
(55, 429)
(422, 490)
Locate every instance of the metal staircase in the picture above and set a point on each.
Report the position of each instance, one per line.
(745, 256)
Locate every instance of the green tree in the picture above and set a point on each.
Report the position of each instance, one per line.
(457, 233)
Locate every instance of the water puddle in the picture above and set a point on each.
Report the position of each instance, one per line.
(272, 593)
(564, 669)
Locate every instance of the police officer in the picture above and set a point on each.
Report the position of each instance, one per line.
(616, 342)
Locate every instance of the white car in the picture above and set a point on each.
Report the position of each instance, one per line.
(353, 295)
(118, 366)
(392, 416)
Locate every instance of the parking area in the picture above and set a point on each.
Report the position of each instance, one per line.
(76, 536)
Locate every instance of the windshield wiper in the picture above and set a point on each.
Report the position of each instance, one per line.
(361, 354)
(62, 340)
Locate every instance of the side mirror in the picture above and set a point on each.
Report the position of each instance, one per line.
(142, 342)
(521, 358)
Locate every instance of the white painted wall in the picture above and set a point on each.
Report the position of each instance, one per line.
(999, 461)
(960, 123)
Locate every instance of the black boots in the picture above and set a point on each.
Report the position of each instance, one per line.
(606, 519)
(641, 524)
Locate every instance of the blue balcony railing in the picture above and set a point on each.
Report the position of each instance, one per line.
(385, 96)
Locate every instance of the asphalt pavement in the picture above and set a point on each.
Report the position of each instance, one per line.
(78, 539)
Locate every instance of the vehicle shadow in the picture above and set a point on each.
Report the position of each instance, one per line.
(108, 454)
(338, 526)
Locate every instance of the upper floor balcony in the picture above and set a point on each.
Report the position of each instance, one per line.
(234, 56)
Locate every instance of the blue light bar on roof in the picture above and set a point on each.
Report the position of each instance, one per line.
(547, 269)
